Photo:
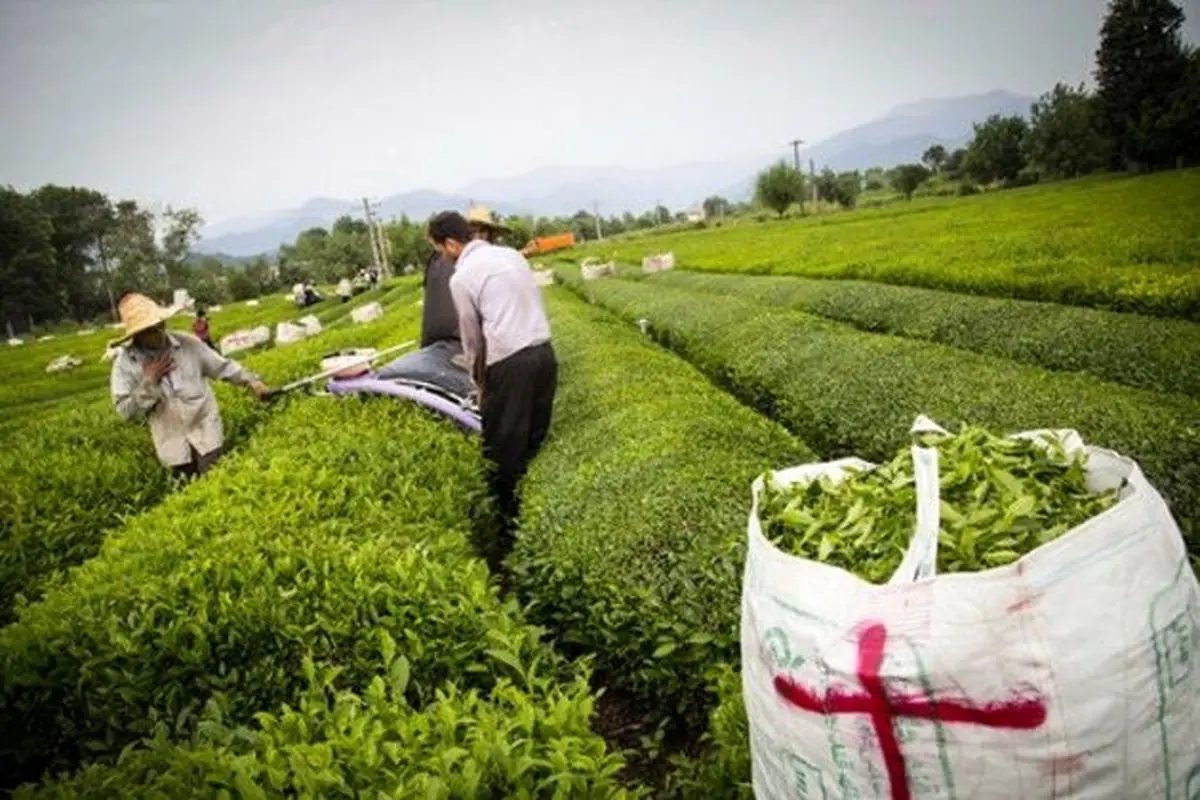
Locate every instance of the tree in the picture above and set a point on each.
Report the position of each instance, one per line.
(934, 158)
(907, 178)
(849, 187)
(778, 186)
(133, 252)
(716, 206)
(827, 186)
(1140, 65)
(952, 168)
(80, 218)
(997, 152)
(183, 231)
(875, 178)
(662, 215)
(27, 268)
(1064, 139)
(1184, 119)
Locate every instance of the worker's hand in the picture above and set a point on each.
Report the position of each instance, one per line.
(260, 389)
(157, 369)
(459, 360)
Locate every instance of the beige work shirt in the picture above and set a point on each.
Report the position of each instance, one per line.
(181, 408)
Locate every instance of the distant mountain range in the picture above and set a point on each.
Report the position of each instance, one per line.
(899, 136)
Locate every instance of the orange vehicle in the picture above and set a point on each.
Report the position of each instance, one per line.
(546, 244)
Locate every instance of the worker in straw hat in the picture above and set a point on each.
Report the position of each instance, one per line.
(485, 226)
(163, 377)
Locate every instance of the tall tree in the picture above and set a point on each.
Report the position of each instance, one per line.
(934, 157)
(952, 167)
(716, 206)
(1140, 65)
(907, 178)
(133, 252)
(27, 268)
(182, 231)
(1064, 139)
(997, 151)
(80, 218)
(778, 187)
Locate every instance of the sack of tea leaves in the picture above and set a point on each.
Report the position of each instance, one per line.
(983, 616)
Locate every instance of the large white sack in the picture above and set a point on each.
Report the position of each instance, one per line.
(287, 333)
(311, 324)
(1069, 674)
(368, 312)
(244, 339)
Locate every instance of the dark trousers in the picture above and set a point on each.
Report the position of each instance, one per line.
(518, 399)
(199, 464)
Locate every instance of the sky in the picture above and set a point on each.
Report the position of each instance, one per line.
(242, 106)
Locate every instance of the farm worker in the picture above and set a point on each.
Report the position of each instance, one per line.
(200, 328)
(506, 341)
(163, 376)
(439, 320)
(484, 226)
(344, 289)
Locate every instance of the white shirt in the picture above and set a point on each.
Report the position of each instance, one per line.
(500, 308)
(181, 408)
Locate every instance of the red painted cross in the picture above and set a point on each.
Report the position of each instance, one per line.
(1022, 713)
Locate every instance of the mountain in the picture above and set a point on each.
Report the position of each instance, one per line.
(901, 135)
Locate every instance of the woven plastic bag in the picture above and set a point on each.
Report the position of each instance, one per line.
(1070, 673)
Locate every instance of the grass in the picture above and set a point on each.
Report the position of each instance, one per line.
(1115, 242)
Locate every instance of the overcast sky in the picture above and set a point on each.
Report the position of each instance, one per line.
(240, 106)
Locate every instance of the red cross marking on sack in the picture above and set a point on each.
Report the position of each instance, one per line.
(1020, 713)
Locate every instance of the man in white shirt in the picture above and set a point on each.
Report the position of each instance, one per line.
(163, 377)
(506, 342)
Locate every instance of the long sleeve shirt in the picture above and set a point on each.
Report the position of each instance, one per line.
(181, 408)
(439, 320)
(500, 307)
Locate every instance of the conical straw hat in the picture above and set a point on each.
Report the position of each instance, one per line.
(139, 313)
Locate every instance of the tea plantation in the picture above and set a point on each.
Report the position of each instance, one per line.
(313, 617)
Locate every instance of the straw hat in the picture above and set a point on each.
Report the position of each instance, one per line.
(138, 313)
(480, 215)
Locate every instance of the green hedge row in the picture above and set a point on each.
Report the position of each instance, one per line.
(634, 514)
(1109, 241)
(339, 535)
(71, 475)
(846, 392)
(510, 742)
(1146, 352)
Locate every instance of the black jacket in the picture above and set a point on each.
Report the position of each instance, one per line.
(439, 320)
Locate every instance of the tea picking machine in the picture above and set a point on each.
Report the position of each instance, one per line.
(427, 377)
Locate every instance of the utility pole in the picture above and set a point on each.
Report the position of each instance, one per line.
(796, 155)
(376, 253)
(596, 216)
(812, 176)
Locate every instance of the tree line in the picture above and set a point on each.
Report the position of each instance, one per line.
(69, 253)
(1144, 115)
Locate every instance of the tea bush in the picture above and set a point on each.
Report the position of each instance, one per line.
(1130, 349)
(634, 513)
(1116, 242)
(339, 534)
(846, 392)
